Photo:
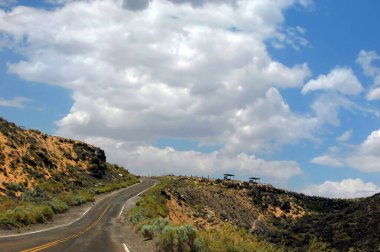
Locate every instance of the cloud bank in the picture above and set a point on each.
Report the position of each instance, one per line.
(347, 188)
(363, 157)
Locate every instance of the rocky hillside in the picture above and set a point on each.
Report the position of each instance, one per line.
(41, 172)
(288, 220)
(27, 156)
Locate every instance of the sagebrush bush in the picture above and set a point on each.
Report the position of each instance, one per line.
(169, 237)
(72, 199)
(86, 195)
(26, 215)
(58, 206)
(147, 231)
(229, 238)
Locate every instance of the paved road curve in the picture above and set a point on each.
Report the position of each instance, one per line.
(93, 232)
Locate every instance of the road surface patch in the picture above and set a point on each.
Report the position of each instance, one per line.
(53, 243)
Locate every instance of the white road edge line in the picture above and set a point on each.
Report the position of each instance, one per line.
(43, 230)
(86, 211)
(146, 190)
(64, 225)
(125, 247)
(121, 211)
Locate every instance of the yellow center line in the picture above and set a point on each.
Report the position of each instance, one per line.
(53, 243)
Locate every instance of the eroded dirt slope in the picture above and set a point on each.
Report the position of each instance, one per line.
(29, 155)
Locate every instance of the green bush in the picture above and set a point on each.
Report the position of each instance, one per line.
(47, 211)
(58, 206)
(26, 215)
(7, 220)
(147, 231)
(115, 186)
(228, 238)
(189, 235)
(317, 246)
(73, 199)
(169, 237)
(86, 195)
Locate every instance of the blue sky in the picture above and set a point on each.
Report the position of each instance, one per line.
(290, 94)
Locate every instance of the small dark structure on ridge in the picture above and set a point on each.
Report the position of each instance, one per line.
(228, 176)
(254, 180)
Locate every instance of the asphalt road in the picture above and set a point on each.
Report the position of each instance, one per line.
(93, 232)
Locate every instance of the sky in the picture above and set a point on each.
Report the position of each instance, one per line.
(284, 90)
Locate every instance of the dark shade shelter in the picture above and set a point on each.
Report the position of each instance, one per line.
(254, 180)
(228, 176)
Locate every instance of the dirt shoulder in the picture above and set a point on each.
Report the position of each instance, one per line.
(127, 234)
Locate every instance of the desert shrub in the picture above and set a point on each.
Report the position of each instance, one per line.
(88, 196)
(115, 186)
(189, 236)
(46, 211)
(159, 224)
(20, 215)
(170, 237)
(7, 220)
(71, 199)
(58, 206)
(228, 238)
(26, 215)
(51, 187)
(38, 192)
(147, 231)
(16, 187)
(177, 238)
(136, 215)
(317, 246)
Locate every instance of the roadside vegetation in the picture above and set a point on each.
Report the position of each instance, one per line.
(53, 197)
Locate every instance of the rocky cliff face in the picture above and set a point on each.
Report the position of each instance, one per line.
(27, 156)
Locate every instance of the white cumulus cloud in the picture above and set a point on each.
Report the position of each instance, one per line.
(363, 157)
(366, 60)
(339, 79)
(347, 188)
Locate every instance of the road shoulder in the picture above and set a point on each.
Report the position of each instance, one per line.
(59, 220)
(127, 235)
